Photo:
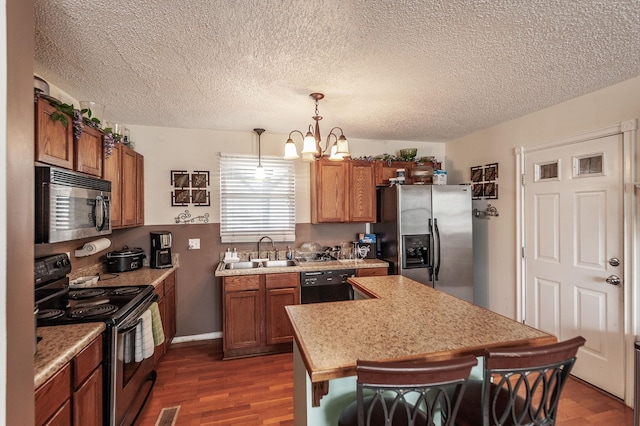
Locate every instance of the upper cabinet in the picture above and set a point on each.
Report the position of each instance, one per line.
(125, 169)
(342, 191)
(88, 152)
(386, 170)
(54, 141)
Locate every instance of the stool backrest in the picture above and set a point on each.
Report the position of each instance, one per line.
(522, 386)
(411, 393)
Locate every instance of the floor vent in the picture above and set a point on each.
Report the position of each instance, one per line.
(168, 416)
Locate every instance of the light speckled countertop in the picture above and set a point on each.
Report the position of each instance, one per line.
(304, 267)
(404, 320)
(59, 345)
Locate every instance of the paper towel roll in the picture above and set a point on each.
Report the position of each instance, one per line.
(93, 247)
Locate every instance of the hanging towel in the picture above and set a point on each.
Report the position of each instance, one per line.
(147, 335)
(156, 322)
(139, 339)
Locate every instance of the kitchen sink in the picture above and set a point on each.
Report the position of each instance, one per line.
(260, 264)
(278, 263)
(242, 265)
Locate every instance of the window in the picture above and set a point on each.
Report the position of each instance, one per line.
(251, 208)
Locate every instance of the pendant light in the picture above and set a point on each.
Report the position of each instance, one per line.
(260, 175)
(338, 150)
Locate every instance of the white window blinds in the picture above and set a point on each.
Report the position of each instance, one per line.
(251, 208)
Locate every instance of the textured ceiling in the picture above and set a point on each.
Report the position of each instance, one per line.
(391, 70)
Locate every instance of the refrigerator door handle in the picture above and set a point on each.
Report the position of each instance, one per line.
(437, 238)
(431, 251)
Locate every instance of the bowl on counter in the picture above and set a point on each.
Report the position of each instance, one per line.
(83, 282)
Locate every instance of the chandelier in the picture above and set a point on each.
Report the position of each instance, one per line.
(337, 146)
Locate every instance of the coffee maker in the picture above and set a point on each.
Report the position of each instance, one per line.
(161, 249)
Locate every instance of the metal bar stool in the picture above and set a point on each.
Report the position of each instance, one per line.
(521, 386)
(407, 393)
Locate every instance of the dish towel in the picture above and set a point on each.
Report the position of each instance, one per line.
(138, 342)
(147, 335)
(156, 322)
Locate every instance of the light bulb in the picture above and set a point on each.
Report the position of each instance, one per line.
(259, 172)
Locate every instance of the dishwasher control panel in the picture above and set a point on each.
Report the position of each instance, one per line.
(319, 278)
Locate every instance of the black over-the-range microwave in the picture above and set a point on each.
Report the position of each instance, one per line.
(70, 205)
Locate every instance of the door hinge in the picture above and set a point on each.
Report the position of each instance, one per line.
(522, 179)
(522, 252)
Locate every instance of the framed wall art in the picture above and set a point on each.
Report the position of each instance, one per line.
(483, 181)
(200, 197)
(491, 172)
(190, 188)
(476, 174)
(491, 190)
(199, 179)
(180, 178)
(477, 191)
(180, 197)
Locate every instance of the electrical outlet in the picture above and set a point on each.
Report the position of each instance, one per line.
(194, 243)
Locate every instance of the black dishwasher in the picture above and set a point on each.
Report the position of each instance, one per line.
(326, 286)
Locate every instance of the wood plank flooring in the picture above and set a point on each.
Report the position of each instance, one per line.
(259, 391)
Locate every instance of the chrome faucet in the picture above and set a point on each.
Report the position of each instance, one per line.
(272, 245)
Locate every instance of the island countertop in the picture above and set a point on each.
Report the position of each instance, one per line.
(402, 320)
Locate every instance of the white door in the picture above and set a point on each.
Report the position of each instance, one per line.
(574, 250)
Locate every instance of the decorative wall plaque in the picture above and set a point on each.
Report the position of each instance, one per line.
(190, 188)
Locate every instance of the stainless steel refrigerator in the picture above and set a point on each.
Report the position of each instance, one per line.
(425, 233)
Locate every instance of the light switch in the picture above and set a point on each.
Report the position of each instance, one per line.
(194, 243)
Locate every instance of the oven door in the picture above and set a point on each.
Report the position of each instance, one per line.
(134, 376)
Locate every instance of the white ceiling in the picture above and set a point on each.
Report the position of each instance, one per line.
(412, 70)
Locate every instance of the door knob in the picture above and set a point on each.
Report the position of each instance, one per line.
(613, 279)
(614, 261)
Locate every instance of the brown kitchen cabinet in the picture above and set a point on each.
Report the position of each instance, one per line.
(125, 169)
(54, 141)
(73, 396)
(254, 318)
(371, 272)
(342, 191)
(88, 152)
(385, 170)
(166, 291)
(280, 290)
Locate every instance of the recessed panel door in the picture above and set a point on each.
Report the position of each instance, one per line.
(574, 251)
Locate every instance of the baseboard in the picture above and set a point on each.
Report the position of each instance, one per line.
(197, 337)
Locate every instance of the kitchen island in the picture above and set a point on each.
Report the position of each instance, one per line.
(395, 318)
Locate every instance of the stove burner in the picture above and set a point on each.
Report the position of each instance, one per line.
(123, 291)
(86, 293)
(93, 311)
(46, 314)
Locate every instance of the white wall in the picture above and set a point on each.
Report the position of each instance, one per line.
(496, 238)
(170, 148)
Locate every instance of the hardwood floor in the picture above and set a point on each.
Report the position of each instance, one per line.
(259, 391)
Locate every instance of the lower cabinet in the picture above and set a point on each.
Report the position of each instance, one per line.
(254, 319)
(166, 292)
(73, 396)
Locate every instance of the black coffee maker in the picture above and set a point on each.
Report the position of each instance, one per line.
(161, 249)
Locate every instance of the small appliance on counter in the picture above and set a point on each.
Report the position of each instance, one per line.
(161, 249)
(125, 260)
